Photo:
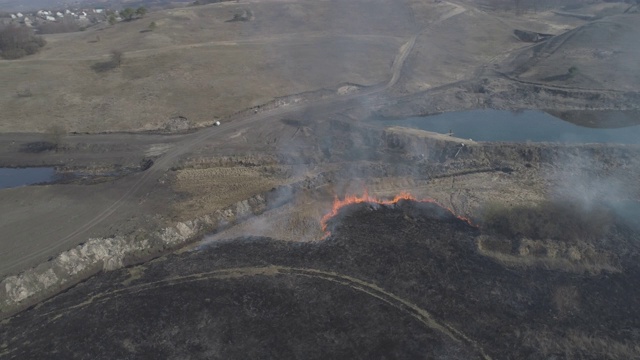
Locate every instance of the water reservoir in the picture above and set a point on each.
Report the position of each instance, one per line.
(531, 125)
(13, 177)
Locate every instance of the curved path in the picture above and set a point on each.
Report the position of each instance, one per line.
(370, 289)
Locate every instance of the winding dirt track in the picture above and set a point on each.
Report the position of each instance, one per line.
(405, 50)
(403, 305)
(561, 87)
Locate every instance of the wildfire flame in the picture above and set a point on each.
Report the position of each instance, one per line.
(366, 198)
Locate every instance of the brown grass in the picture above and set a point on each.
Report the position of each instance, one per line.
(197, 65)
(559, 236)
(548, 220)
(207, 190)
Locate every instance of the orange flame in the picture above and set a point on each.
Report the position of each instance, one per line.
(366, 198)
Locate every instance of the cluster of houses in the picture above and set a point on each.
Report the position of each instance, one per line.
(44, 16)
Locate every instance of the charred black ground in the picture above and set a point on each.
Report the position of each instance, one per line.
(403, 281)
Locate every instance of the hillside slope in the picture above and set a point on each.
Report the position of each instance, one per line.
(603, 53)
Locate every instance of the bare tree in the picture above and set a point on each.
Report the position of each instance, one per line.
(127, 14)
(19, 41)
(141, 11)
(55, 135)
(114, 61)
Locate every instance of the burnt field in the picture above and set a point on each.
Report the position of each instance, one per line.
(404, 281)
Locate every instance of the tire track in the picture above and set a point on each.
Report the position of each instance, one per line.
(361, 286)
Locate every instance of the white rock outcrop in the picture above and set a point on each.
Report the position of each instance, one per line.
(108, 254)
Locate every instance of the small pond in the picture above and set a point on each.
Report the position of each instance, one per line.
(532, 125)
(13, 177)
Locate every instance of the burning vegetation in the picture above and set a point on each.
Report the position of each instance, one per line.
(339, 204)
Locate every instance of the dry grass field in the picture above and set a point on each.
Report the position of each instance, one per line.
(604, 54)
(197, 65)
(210, 189)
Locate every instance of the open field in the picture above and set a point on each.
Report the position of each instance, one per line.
(197, 65)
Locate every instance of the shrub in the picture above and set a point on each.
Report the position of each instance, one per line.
(141, 11)
(116, 57)
(127, 14)
(40, 41)
(19, 41)
(31, 48)
(24, 92)
(114, 62)
(13, 54)
(245, 15)
(55, 135)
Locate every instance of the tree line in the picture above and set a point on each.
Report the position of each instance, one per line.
(128, 14)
